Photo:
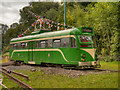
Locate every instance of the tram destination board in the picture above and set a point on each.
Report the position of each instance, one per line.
(89, 30)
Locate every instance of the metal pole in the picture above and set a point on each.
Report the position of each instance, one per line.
(65, 16)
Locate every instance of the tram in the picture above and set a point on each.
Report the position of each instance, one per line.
(72, 47)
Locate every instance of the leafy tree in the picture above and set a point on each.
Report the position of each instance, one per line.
(103, 17)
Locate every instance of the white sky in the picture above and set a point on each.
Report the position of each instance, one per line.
(9, 12)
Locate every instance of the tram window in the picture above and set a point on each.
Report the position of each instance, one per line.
(11, 46)
(85, 39)
(26, 45)
(65, 42)
(46, 44)
(56, 43)
(73, 43)
(86, 45)
(42, 44)
(50, 43)
(14, 46)
(23, 45)
(19, 45)
(37, 44)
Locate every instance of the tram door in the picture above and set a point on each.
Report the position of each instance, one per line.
(30, 52)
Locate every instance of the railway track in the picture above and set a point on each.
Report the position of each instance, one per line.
(22, 84)
(4, 86)
(15, 73)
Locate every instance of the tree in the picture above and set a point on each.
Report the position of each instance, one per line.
(103, 17)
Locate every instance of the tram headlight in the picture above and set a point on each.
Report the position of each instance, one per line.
(83, 56)
(83, 60)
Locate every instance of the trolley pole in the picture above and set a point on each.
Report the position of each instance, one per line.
(65, 16)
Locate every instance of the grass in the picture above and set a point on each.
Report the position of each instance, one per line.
(10, 84)
(109, 65)
(40, 80)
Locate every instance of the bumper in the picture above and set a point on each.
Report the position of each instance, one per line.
(89, 64)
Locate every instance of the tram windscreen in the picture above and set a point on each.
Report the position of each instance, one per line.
(84, 40)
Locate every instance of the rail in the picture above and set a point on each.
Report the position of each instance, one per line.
(18, 74)
(22, 84)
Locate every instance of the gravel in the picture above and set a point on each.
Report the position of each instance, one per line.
(56, 70)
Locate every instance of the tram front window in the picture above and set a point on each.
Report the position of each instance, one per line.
(85, 41)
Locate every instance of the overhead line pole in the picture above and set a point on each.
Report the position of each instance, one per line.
(65, 16)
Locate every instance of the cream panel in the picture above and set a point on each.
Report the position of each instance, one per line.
(91, 52)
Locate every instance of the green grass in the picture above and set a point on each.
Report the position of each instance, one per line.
(40, 80)
(10, 84)
(109, 65)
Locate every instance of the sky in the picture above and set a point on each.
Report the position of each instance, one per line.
(9, 12)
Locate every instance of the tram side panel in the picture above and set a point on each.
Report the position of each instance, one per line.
(19, 55)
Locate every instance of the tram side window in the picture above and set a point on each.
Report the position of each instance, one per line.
(73, 43)
(56, 43)
(14, 46)
(65, 42)
(11, 46)
(46, 44)
(50, 43)
(42, 44)
(26, 45)
(37, 44)
(23, 45)
(18, 45)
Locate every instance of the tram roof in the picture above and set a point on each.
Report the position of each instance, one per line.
(73, 31)
(49, 34)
